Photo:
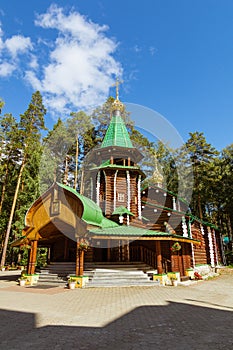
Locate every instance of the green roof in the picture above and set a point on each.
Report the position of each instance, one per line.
(121, 211)
(137, 232)
(92, 213)
(107, 164)
(117, 134)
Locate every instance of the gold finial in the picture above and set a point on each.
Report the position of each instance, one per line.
(157, 177)
(117, 104)
(117, 83)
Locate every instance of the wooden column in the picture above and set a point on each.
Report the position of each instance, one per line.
(159, 256)
(126, 251)
(79, 261)
(32, 257)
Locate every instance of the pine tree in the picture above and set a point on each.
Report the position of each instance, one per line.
(200, 154)
(30, 126)
(80, 127)
(10, 154)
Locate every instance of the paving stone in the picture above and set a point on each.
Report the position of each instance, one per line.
(198, 316)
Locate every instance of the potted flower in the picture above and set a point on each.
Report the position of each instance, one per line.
(83, 244)
(174, 281)
(175, 247)
(22, 281)
(72, 283)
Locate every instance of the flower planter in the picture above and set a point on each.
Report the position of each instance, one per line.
(31, 279)
(72, 285)
(174, 283)
(22, 282)
(80, 281)
(190, 273)
(174, 275)
(161, 277)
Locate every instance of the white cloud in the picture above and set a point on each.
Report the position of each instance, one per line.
(6, 69)
(81, 65)
(74, 68)
(18, 44)
(33, 62)
(10, 48)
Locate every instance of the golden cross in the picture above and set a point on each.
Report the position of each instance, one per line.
(117, 83)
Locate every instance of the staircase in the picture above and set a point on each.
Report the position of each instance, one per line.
(119, 275)
(100, 274)
(56, 272)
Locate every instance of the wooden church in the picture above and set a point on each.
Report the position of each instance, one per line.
(122, 220)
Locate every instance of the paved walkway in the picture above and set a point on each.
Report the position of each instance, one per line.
(196, 317)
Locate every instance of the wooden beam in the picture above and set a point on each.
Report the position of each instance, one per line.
(140, 238)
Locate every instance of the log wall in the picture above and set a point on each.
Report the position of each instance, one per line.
(200, 251)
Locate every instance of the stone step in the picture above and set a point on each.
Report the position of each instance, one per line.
(100, 274)
(116, 278)
(122, 283)
(119, 277)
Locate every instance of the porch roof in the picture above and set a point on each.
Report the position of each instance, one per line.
(92, 214)
(132, 232)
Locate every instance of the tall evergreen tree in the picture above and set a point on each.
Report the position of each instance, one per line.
(30, 126)
(80, 126)
(200, 154)
(10, 153)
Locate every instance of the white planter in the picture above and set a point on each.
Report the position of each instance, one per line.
(22, 283)
(72, 285)
(175, 283)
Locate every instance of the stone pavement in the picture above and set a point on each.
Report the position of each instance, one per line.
(199, 316)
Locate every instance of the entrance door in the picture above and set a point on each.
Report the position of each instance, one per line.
(100, 254)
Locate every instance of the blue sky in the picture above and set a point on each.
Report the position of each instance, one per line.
(175, 57)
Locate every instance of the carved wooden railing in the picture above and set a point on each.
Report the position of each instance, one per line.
(148, 256)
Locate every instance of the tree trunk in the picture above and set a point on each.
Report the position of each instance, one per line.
(4, 187)
(65, 180)
(199, 207)
(76, 165)
(82, 182)
(4, 250)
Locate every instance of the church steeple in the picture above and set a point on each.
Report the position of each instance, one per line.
(117, 134)
(116, 176)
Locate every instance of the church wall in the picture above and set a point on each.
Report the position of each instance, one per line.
(199, 250)
(109, 194)
(134, 195)
(121, 188)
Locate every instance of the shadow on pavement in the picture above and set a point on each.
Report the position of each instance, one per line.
(173, 326)
(10, 277)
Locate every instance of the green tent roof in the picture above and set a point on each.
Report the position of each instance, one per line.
(121, 211)
(92, 214)
(117, 134)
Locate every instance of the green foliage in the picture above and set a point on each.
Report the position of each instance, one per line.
(21, 148)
